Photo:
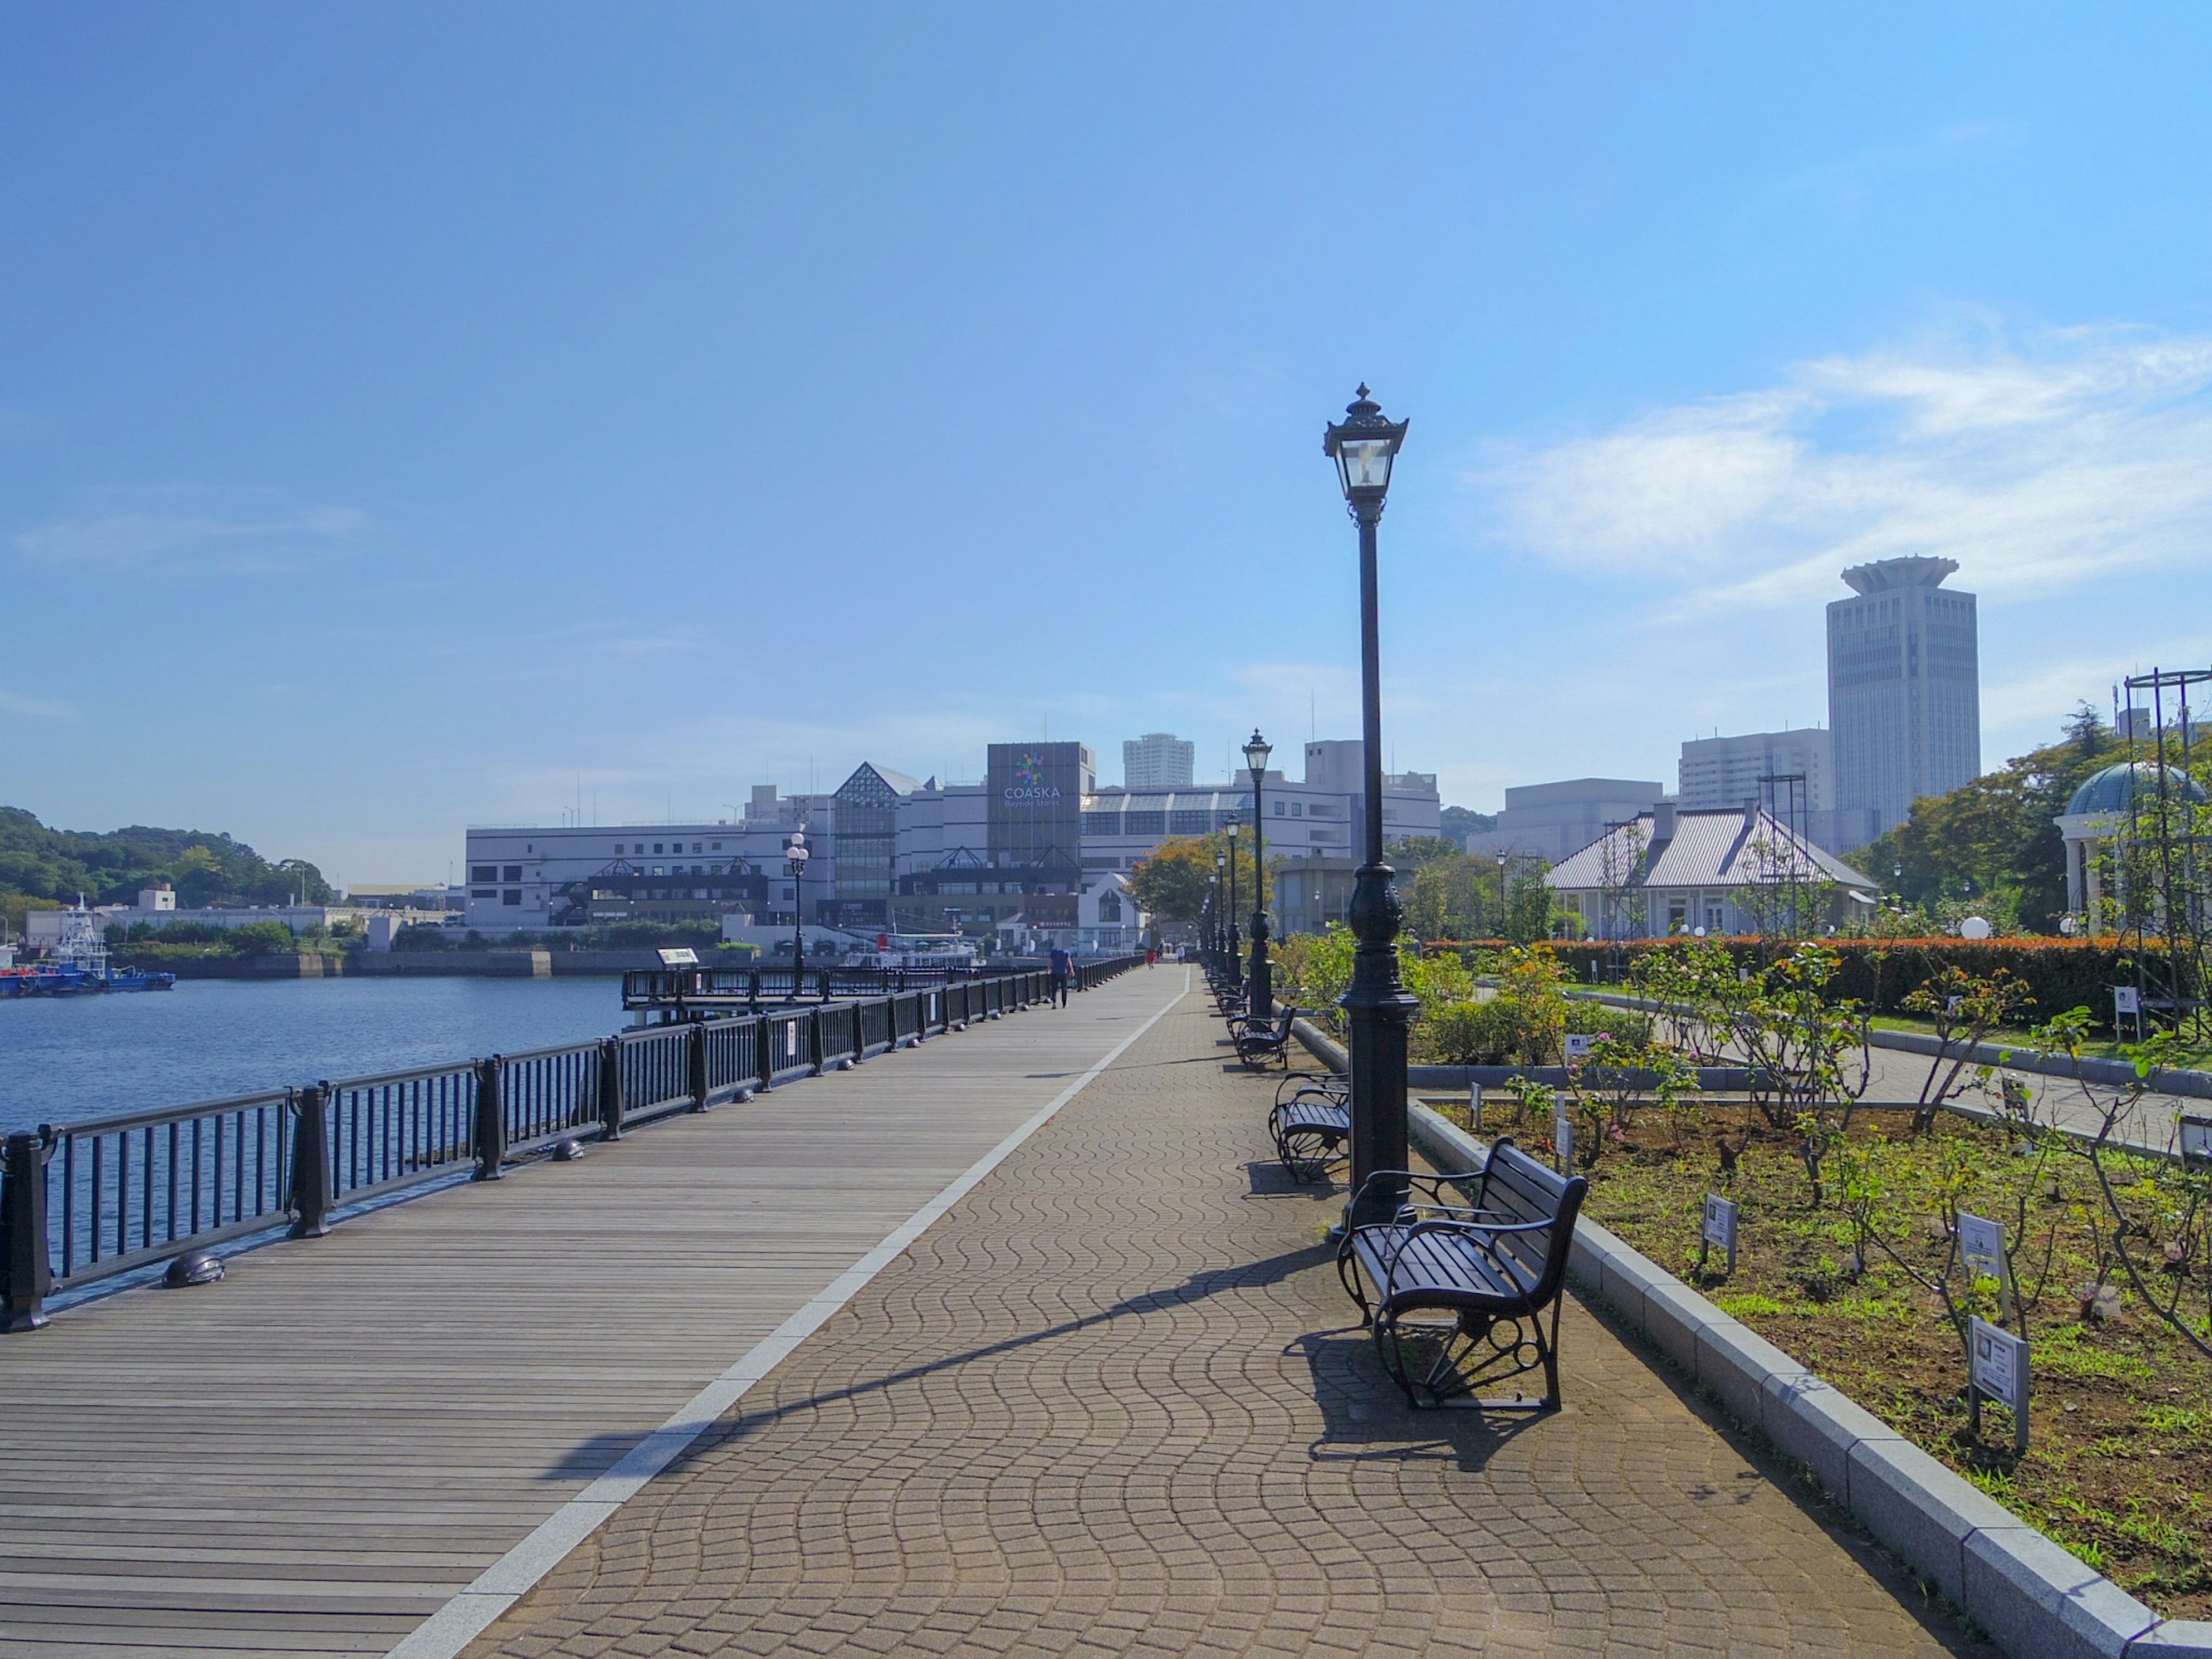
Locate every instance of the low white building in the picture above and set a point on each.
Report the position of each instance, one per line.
(1668, 873)
(156, 907)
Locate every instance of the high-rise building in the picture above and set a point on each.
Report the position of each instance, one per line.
(1159, 760)
(1904, 692)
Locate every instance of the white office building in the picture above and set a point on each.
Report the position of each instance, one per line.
(1158, 760)
(1551, 820)
(1904, 692)
(1318, 816)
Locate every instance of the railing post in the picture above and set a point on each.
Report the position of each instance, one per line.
(814, 1037)
(695, 1065)
(491, 1123)
(311, 1163)
(26, 1272)
(610, 1089)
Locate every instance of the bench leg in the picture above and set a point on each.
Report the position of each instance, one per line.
(1347, 1273)
(1307, 1153)
(1443, 1360)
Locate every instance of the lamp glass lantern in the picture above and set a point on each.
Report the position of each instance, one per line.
(1364, 446)
(1256, 752)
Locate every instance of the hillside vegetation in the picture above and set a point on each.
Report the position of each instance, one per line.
(40, 867)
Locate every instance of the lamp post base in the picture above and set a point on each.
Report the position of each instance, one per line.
(1378, 1009)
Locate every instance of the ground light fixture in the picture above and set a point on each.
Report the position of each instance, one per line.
(1377, 1007)
(1260, 1001)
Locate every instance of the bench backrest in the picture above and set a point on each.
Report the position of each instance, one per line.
(1519, 1187)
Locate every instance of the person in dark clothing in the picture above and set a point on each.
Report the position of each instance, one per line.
(1063, 970)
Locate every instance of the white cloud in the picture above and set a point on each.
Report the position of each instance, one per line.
(190, 526)
(2039, 471)
(35, 708)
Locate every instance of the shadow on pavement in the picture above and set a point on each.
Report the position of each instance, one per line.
(1364, 1416)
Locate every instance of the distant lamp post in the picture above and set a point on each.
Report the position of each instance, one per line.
(1220, 898)
(1236, 939)
(1502, 918)
(1260, 1001)
(795, 854)
(1377, 1006)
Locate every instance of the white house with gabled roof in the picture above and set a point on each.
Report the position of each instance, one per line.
(1739, 869)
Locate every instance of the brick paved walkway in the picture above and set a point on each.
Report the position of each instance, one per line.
(1113, 1402)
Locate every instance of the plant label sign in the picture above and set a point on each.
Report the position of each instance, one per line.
(2000, 1373)
(1563, 1136)
(2127, 1000)
(1578, 1046)
(1981, 1247)
(2196, 1141)
(1717, 1230)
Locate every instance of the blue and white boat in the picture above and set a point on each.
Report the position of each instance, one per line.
(78, 965)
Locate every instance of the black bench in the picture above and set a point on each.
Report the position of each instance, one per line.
(1310, 1125)
(1459, 1290)
(1260, 1040)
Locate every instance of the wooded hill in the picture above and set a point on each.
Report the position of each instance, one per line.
(39, 866)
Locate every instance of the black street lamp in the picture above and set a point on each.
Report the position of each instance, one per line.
(1502, 857)
(1260, 1002)
(1220, 938)
(1236, 940)
(1377, 1006)
(795, 855)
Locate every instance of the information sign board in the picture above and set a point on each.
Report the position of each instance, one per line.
(2126, 1000)
(1563, 1137)
(1718, 1229)
(1578, 1046)
(1999, 1373)
(2196, 1141)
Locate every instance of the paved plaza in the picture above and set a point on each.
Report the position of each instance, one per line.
(1115, 1401)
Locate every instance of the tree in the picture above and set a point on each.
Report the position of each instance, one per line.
(1173, 881)
(1458, 824)
(1996, 839)
(1463, 895)
(1415, 851)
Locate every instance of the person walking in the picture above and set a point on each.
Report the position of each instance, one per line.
(1063, 969)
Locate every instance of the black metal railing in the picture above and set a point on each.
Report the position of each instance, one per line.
(83, 1201)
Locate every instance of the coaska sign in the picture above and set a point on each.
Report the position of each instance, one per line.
(1028, 785)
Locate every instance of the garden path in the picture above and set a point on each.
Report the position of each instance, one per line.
(1115, 1401)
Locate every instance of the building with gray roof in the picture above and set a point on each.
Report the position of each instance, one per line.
(1741, 869)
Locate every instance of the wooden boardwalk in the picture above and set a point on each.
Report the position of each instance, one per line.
(314, 1455)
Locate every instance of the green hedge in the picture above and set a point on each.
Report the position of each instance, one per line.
(2060, 973)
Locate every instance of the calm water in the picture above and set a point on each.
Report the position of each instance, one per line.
(65, 1058)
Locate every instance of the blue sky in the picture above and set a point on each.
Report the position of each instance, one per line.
(412, 417)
